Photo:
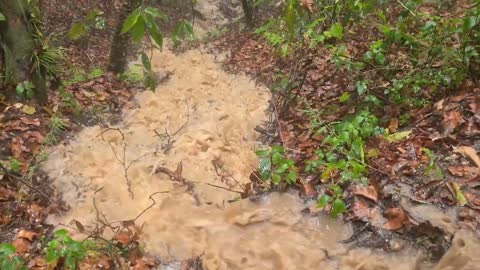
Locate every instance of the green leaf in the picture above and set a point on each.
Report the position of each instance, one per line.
(61, 233)
(338, 207)
(70, 262)
(469, 23)
(154, 12)
(276, 179)
(78, 30)
(282, 168)
(278, 148)
(265, 168)
(52, 255)
(20, 89)
(345, 97)
(131, 20)
(155, 34)
(7, 249)
(461, 199)
(146, 62)
(399, 136)
(357, 147)
(323, 201)
(15, 165)
(28, 109)
(138, 29)
(291, 177)
(361, 87)
(336, 189)
(2, 17)
(262, 153)
(335, 31)
(277, 158)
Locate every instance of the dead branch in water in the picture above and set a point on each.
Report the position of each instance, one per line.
(217, 165)
(177, 177)
(150, 206)
(170, 141)
(126, 166)
(108, 129)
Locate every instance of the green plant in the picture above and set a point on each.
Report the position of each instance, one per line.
(342, 157)
(275, 167)
(335, 199)
(134, 74)
(93, 20)
(183, 31)
(8, 259)
(432, 163)
(25, 89)
(63, 249)
(96, 73)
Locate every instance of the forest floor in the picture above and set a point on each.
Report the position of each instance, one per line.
(380, 212)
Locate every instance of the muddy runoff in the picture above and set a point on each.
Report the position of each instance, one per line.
(203, 119)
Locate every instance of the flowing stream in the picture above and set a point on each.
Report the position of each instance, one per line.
(203, 119)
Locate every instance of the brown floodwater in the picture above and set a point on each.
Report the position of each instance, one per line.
(204, 119)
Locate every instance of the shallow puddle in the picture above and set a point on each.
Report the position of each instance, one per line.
(203, 119)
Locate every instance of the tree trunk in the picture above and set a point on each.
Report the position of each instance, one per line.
(247, 10)
(117, 62)
(17, 45)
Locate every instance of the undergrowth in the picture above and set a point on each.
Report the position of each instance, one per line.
(416, 52)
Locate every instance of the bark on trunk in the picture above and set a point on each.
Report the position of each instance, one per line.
(18, 45)
(117, 62)
(247, 10)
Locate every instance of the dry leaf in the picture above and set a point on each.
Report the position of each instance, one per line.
(393, 126)
(451, 121)
(6, 194)
(368, 192)
(308, 5)
(30, 121)
(27, 234)
(463, 171)
(396, 218)
(123, 237)
(468, 152)
(80, 226)
(21, 245)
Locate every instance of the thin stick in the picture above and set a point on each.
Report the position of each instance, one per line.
(149, 207)
(21, 180)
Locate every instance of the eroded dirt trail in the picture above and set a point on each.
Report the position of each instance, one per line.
(204, 118)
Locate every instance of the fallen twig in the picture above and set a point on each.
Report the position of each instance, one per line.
(126, 166)
(169, 145)
(21, 180)
(149, 207)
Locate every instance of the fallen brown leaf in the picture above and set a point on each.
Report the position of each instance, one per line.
(396, 218)
(463, 171)
(6, 194)
(123, 237)
(393, 126)
(30, 121)
(21, 245)
(468, 152)
(308, 5)
(451, 121)
(27, 234)
(368, 192)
